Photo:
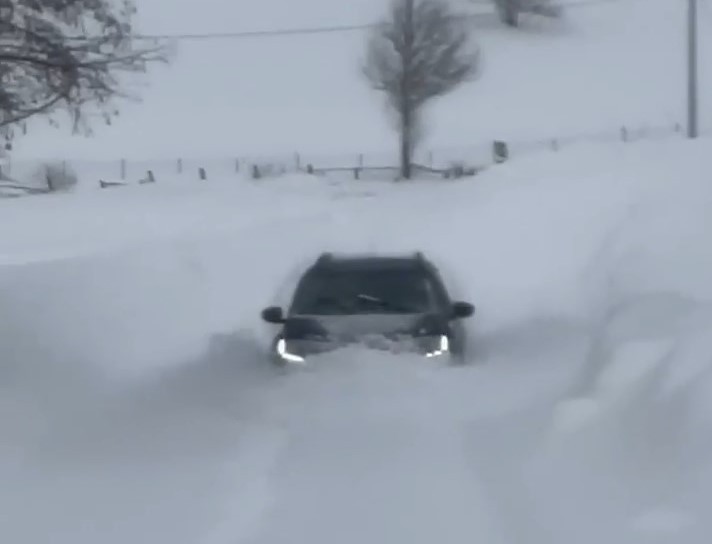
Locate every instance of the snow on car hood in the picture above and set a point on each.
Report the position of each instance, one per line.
(356, 327)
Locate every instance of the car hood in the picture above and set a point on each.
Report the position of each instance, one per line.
(353, 328)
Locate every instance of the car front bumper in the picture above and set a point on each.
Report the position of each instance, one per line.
(297, 351)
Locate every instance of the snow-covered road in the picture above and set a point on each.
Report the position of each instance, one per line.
(359, 447)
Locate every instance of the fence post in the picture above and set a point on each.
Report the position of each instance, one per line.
(202, 174)
(180, 166)
(123, 169)
(500, 152)
(237, 166)
(357, 173)
(298, 161)
(624, 134)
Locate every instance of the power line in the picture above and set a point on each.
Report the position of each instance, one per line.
(256, 33)
(333, 29)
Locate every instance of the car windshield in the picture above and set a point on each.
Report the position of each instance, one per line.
(378, 291)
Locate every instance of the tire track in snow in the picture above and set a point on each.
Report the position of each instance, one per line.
(381, 449)
(376, 482)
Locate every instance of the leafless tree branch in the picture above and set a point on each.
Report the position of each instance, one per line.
(66, 54)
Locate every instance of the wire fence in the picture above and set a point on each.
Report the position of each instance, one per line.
(453, 161)
(469, 160)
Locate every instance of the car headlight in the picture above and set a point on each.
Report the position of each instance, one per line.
(284, 354)
(442, 349)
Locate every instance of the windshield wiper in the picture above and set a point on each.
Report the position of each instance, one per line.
(385, 303)
(331, 302)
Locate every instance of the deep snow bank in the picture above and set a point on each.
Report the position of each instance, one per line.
(624, 457)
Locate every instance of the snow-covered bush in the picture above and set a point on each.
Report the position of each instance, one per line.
(55, 176)
(511, 10)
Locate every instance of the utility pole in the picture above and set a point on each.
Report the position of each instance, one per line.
(692, 106)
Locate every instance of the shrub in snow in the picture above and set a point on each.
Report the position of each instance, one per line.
(268, 170)
(55, 176)
(511, 10)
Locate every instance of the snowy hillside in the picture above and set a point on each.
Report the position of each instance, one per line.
(135, 405)
(269, 96)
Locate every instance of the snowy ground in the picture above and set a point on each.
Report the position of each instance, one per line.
(134, 405)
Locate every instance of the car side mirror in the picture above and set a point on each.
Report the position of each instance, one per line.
(273, 314)
(461, 310)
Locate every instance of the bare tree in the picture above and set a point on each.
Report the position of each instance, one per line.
(67, 54)
(511, 10)
(420, 52)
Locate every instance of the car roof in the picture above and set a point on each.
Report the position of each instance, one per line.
(329, 261)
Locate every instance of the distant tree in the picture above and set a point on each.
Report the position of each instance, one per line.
(66, 55)
(511, 10)
(420, 52)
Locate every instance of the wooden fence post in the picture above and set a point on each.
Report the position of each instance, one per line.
(237, 166)
(500, 152)
(202, 174)
(123, 169)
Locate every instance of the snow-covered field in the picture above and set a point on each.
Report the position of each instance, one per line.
(586, 75)
(135, 406)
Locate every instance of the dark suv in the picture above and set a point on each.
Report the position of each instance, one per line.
(397, 304)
